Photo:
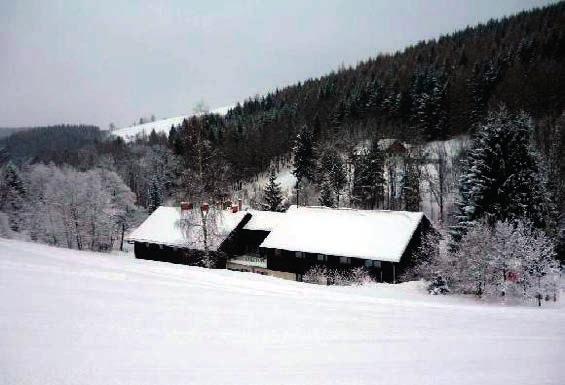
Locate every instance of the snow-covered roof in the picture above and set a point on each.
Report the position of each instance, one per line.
(166, 226)
(263, 220)
(369, 234)
(160, 126)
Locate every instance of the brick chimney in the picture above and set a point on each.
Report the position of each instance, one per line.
(185, 206)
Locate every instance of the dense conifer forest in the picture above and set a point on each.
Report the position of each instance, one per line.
(433, 90)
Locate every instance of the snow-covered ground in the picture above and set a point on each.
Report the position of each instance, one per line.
(69, 317)
(160, 126)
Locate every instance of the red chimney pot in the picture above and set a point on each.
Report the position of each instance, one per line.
(184, 206)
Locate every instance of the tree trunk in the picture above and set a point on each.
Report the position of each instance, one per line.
(122, 237)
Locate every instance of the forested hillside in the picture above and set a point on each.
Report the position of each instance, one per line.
(59, 144)
(7, 131)
(432, 90)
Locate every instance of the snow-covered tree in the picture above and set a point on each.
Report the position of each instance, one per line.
(272, 195)
(326, 194)
(411, 186)
(304, 158)
(202, 230)
(507, 260)
(13, 196)
(368, 177)
(83, 210)
(510, 259)
(155, 194)
(332, 171)
(501, 178)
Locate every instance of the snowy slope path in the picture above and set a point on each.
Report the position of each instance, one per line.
(69, 317)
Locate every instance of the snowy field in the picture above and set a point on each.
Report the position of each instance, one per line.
(69, 317)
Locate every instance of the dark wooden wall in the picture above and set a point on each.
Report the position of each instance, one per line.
(154, 252)
(410, 256)
(288, 262)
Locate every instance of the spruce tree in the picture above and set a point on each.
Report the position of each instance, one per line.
(155, 194)
(272, 200)
(304, 158)
(13, 196)
(326, 194)
(411, 186)
(368, 177)
(332, 170)
(501, 179)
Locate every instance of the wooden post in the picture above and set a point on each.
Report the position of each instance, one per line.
(393, 273)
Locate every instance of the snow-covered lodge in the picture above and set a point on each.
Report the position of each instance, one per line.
(284, 245)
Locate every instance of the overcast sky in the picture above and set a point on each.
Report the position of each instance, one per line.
(113, 61)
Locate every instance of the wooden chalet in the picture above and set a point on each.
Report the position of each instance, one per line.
(287, 245)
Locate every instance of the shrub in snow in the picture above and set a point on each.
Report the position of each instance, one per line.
(438, 286)
(316, 274)
(360, 276)
(342, 277)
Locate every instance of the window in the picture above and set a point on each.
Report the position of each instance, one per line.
(322, 258)
(299, 254)
(345, 260)
(375, 264)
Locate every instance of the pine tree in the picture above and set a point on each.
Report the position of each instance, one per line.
(326, 194)
(13, 196)
(411, 186)
(332, 170)
(304, 158)
(272, 200)
(501, 179)
(368, 177)
(155, 194)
